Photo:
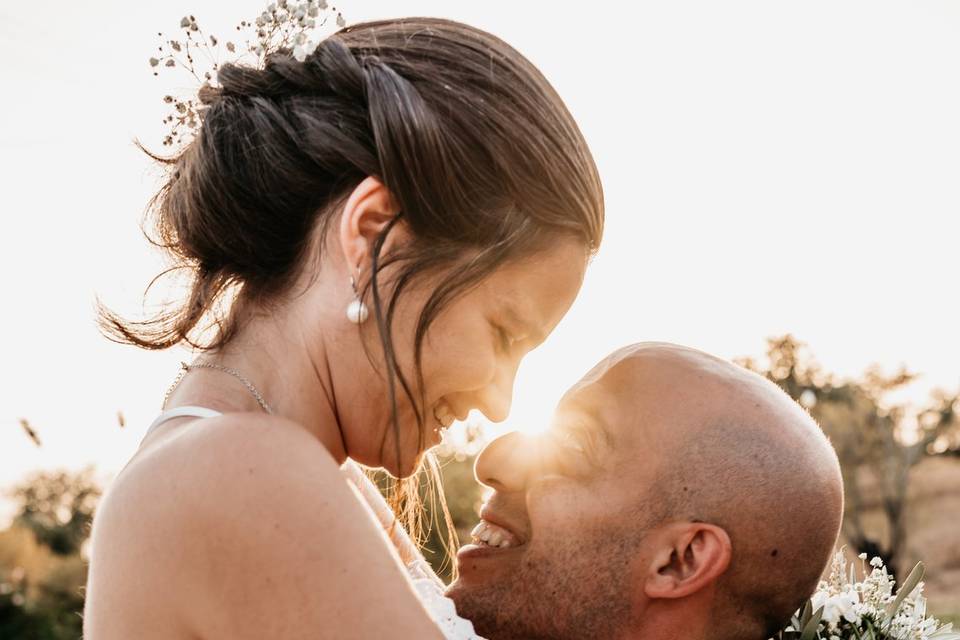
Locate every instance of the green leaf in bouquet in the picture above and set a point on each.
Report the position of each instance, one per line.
(813, 625)
(908, 586)
(805, 616)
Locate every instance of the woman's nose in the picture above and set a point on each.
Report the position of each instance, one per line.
(496, 398)
(504, 464)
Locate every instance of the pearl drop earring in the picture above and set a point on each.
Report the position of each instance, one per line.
(357, 311)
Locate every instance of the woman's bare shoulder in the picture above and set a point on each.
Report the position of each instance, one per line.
(180, 471)
(267, 537)
(213, 468)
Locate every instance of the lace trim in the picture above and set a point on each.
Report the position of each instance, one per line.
(441, 608)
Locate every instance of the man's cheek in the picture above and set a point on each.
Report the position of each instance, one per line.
(555, 504)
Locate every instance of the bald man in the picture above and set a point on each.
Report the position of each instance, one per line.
(675, 496)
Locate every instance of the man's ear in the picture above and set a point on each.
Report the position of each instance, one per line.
(366, 213)
(688, 557)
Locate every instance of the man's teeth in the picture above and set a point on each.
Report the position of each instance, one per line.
(491, 535)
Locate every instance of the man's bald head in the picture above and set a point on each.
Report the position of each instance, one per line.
(734, 450)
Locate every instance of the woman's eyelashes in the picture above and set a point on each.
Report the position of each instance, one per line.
(505, 339)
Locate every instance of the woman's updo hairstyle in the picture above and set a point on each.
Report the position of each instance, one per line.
(481, 156)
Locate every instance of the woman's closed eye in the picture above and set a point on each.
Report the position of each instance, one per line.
(505, 339)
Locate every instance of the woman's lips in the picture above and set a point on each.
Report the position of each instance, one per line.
(443, 415)
(442, 419)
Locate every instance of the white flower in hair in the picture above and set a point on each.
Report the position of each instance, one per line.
(284, 27)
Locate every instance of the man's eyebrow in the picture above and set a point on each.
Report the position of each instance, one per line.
(593, 415)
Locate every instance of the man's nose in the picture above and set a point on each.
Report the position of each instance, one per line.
(504, 464)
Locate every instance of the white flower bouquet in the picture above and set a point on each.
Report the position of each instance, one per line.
(843, 608)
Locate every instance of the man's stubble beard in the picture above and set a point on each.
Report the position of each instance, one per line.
(577, 591)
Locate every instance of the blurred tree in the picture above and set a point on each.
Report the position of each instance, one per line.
(41, 592)
(877, 441)
(42, 572)
(58, 508)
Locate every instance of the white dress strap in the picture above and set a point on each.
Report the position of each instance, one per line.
(181, 412)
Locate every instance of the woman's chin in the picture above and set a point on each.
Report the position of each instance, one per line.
(408, 466)
(409, 461)
(414, 467)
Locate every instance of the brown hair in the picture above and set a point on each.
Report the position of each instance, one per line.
(480, 154)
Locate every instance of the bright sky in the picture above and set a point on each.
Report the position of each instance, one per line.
(769, 167)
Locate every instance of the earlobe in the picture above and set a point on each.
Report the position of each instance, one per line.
(691, 557)
(369, 210)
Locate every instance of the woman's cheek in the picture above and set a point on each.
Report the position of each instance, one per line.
(482, 371)
(465, 364)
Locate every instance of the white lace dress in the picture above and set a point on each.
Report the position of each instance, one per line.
(426, 583)
(441, 608)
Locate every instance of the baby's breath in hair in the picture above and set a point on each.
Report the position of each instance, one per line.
(283, 27)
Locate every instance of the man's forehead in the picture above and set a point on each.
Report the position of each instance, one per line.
(643, 388)
(651, 364)
(608, 398)
(622, 368)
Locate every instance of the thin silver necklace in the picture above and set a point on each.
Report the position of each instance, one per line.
(185, 368)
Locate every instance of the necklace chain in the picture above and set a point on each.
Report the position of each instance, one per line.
(185, 368)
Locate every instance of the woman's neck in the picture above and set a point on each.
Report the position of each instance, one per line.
(290, 372)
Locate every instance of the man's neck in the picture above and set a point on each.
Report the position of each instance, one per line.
(687, 620)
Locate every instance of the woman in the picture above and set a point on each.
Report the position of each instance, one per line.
(388, 227)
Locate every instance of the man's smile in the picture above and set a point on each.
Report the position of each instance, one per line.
(493, 535)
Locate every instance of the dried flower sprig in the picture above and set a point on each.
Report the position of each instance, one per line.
(283, 26)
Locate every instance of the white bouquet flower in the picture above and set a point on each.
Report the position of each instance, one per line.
(843, 608)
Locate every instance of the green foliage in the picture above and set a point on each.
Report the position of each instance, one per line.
(42, 573)
(58, 508)
(41, 592)
(16, 622)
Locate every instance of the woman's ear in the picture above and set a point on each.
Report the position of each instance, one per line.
(366, 213)
(689, 556)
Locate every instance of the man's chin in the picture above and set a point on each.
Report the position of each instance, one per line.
(485, 580)
(477, 601)
(495, 608)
